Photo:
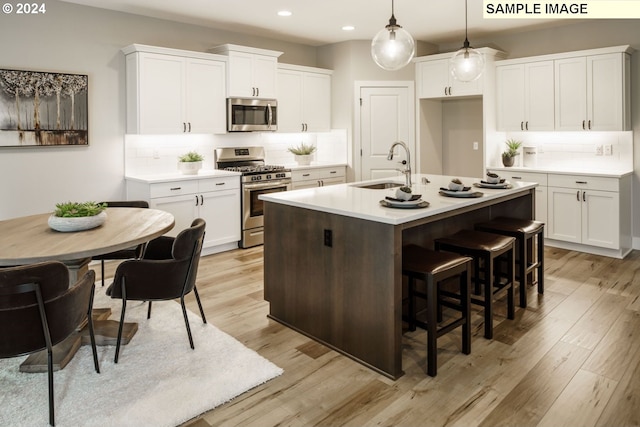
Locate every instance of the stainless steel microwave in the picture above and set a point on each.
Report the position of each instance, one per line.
(250, 114)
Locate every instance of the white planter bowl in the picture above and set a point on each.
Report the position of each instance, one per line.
(304, 159)
(81, 223)
(189, 168)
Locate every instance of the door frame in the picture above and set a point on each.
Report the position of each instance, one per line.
(357, 137)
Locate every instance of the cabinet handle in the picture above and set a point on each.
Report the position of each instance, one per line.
(333, 172)
(526, 125)
(220, 183)
(521, 125)
(189, 127)
(184, 127)
(589, 124)
(301, 127)
(257, 91)
(197, 204)
(584, 193)
(201, 200)
(578, 195)
(305, 174)
(581, 182)
(175, 188)
(516, 177)
(583, 128)
(445, 90)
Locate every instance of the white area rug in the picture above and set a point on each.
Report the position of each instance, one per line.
(158, 381)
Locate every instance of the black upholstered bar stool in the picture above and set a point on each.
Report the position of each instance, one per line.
(433, 267)
(527, 259)
(486, 249)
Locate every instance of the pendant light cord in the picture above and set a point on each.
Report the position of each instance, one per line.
(466, 26)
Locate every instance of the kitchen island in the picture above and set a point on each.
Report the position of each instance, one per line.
(333, 257)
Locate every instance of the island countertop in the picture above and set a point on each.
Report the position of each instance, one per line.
(353, 201)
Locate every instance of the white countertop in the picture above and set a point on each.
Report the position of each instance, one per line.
(177, 176)
(350, 200)
(611, 173)
(314, 165)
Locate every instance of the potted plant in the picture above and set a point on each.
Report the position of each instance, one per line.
(303, 153)
(510, 154)
(77, 216)
(190, 163)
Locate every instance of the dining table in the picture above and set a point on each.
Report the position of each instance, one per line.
(29, 240)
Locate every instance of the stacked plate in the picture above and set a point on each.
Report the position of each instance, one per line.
(414, 203)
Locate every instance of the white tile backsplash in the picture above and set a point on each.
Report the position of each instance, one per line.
(158, 154)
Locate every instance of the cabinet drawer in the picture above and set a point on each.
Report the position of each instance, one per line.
(173, 188)
(540, 178)
(585, 182)
(317, 173)
(218, 184)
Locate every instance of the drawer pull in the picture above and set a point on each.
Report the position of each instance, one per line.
(333, 172)
(306, 174)
(516, 177)
(581, 182)
(220, 183)
(201, 200)
(175, 188)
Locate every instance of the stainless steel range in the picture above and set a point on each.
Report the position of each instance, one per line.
(257, 178)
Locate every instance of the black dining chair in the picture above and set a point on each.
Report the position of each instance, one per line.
(38, 309)
(128, 253)
(167, 271)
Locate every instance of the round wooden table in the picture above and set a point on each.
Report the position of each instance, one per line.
(29, 240)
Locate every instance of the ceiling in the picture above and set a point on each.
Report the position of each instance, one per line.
(320, 22)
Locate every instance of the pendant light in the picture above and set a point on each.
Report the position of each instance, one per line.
(466, 64)
(393, 47)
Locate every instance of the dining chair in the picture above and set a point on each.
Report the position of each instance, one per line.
(167, 271)
(128, 253)
(38, 309)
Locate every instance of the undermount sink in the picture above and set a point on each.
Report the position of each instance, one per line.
(380, 185)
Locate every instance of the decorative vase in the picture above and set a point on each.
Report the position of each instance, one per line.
(189, 168)
(303, 159)
(79, 223)
(508, 160)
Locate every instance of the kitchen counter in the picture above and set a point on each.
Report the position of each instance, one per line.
(353, 201)
(333, 258)
(177, 176)
(611, 173)
(314, 165)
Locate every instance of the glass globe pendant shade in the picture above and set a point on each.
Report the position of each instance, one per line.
(467, 64)
(393, 47)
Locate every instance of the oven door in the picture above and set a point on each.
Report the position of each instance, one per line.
(252, 206)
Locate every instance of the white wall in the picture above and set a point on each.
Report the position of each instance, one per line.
(77, 39)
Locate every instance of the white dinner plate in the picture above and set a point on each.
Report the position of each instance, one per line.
(414, 204)
(502, 186)
(461, 194)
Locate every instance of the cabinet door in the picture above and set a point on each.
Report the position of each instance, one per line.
(601, 219)
(290, 101)
(205, 88)
(221, 211)
(458, 88)
(565, 214)
(240, 75)
(332, 181)
(571, 94)
(265, 75)
(161, 101)
(183, 208)
(433, 79)
(510, 97)
(605, 92)
(539, 96)
(541, 207)
(316, 102)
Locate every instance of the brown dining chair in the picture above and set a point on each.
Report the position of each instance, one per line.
(128, 253)
(38, 309)
(167, 271)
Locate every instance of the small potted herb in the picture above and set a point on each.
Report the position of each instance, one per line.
(508, 156)
(77, 216)
(190, 163)
(303, 153)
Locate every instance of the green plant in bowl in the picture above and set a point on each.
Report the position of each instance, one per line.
(302, 149)
(512, 147)
(78, 209)
(191, 156)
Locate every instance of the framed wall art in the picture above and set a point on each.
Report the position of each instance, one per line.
(43, 109)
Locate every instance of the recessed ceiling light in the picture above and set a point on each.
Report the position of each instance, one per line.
(284, 13)
(348, 28)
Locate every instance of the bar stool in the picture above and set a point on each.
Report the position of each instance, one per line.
(432, 268)
(524, 231)
(486, 248)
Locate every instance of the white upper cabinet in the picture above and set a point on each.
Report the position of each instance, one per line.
(171, 91)
(304, 99)
(593, 92)
(525, 96)
(434, 80)
(252, 73)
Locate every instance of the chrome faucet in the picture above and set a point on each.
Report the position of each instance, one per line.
(407, 170)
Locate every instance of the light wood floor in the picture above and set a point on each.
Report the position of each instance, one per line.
(570, 359)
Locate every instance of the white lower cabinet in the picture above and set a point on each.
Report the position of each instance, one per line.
(590, 210)
(317, 177)
(216, 200)
(541, 192)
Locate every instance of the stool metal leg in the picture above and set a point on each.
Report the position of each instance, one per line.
(522, 270)
(432, 335)
(511, 275)
(465, 290)
(540, 263)
(488, 297)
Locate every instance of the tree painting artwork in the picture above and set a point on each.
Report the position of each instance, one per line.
(43, 109)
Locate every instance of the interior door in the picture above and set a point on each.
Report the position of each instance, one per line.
(386, 115)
